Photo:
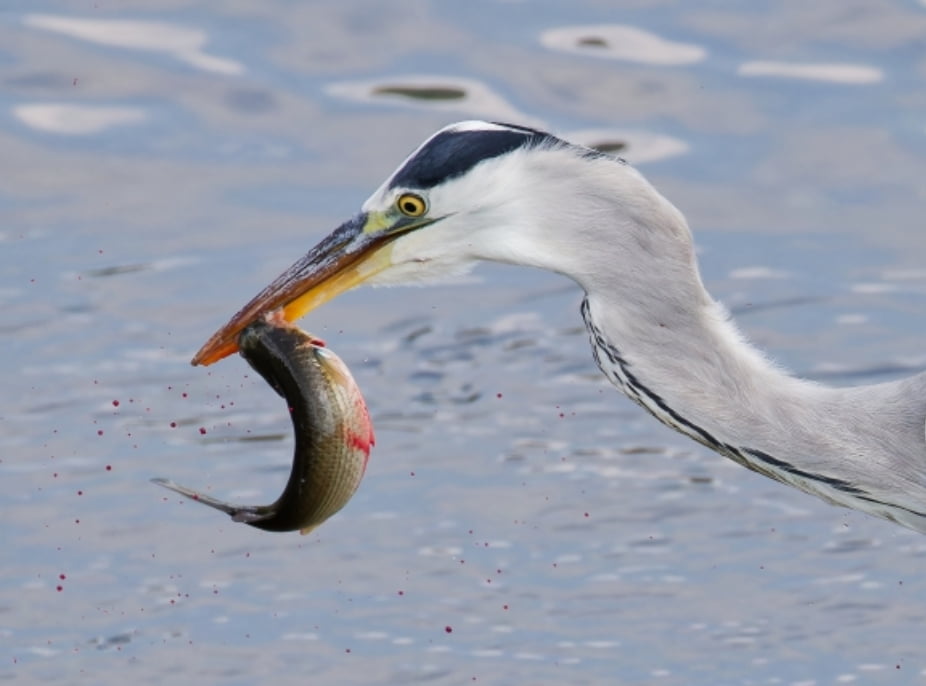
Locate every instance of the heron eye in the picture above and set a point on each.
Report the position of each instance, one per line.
(411, 205)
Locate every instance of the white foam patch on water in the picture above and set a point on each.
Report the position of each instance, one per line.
(758, 272)
(449, 551)
(642, 146)
(476, 98)
(182, 43)
(371, 635)
(602, 644)
(622, 42)
(77, 120)
(852, 319)
(528, 656)
(874, 288)
(850, 74)
(851, 578)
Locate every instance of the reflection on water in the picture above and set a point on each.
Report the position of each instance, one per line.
(422, 92)
(520, 521)
(612, 147)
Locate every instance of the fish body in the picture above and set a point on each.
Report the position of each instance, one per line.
(333, 431)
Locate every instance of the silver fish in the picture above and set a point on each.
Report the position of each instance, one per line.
(333, 430)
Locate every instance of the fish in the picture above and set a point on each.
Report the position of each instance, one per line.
(332, 426)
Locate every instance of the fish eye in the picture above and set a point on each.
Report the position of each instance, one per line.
(411, 205)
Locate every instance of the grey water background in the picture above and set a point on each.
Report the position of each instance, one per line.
(520, 522)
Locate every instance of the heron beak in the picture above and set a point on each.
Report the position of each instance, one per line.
(351, 254)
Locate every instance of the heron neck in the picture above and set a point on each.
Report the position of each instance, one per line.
(659, 336)
(694, 371)
(861, 447)
(676, 350)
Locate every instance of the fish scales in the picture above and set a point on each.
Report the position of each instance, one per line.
(331, 424)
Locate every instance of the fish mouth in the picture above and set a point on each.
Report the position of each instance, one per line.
(353, 253)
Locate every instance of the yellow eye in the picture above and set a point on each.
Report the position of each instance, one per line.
(411, 205)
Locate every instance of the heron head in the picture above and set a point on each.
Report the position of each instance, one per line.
(468, 193)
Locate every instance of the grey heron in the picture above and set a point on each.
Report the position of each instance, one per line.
(506, 193)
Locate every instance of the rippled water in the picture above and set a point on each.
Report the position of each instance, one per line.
(521, 522)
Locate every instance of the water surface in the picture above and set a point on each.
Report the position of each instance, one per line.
(521, 522)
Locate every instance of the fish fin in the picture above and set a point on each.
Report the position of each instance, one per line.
(239, 513)
(305, 531)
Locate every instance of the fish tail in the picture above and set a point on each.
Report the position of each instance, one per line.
(227, 508)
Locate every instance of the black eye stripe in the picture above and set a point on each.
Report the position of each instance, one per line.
(453, 153)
